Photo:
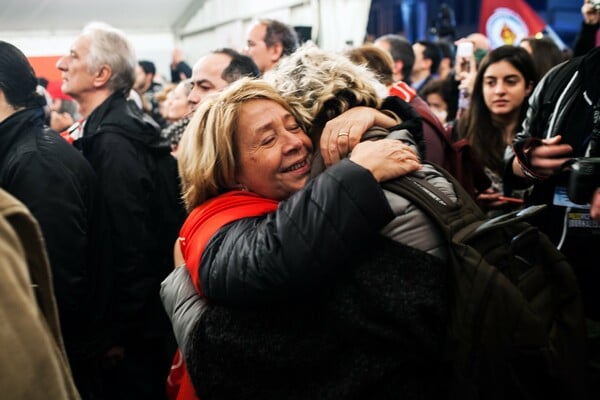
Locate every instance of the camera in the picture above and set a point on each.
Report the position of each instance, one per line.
(584, 179)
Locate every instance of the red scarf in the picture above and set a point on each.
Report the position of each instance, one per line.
(403, 90)
(199, 227)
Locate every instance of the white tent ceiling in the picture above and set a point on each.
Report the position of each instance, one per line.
(60, 15)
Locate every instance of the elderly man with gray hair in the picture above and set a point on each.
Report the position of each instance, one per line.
(124, 150)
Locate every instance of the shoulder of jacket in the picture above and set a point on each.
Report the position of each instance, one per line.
(555, 81)
(9, 205)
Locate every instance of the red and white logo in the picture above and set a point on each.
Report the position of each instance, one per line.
(505, 26)
(508, 21)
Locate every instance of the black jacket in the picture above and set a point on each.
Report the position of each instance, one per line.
(558, 103)
(58, 186)
(551, 104)
(319, 305)
(292, 251)
(122, 148)
(562, 104)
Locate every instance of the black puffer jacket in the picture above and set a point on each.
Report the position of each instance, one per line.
(58, 186)
(294, 251)
(320, 306)
(123, 149)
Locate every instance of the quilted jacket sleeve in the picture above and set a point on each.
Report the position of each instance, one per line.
(295, 250)
(183, 304)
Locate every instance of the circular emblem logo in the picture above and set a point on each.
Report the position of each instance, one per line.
(505, 26)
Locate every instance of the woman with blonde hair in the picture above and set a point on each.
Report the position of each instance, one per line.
(322, 85)
(280, 257)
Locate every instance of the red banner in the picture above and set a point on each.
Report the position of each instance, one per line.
(508, 21)
(46, 67)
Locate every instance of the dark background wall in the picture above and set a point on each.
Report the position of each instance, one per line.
(416, 18)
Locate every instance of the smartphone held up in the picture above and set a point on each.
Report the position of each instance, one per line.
(464, 54)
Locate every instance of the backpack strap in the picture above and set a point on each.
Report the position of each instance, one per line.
(456, 218)
(461, 219)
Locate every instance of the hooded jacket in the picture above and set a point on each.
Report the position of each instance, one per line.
(123, 148)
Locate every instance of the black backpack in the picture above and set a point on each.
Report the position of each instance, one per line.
(516, 328)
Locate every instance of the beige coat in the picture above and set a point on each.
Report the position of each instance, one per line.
(33, 363)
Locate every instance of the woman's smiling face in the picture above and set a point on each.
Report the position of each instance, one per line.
(273, 152)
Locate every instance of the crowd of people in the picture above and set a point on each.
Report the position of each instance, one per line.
(144, 217)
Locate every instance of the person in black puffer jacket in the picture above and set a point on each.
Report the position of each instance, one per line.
(304, 302)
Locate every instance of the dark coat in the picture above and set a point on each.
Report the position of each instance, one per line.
(58, 186)
(122, 148)
(338, 313)
(586, 39)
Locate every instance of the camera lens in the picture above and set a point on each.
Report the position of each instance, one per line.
(584, 179)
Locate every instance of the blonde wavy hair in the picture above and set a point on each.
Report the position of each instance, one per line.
(208, 154)
(321, 85)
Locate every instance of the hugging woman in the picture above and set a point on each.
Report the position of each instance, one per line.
(304, 296)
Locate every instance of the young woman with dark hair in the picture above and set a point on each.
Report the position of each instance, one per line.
(505, 79)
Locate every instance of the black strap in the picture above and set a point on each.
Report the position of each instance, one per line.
(451, 216)
(522, 150)
(460, 219)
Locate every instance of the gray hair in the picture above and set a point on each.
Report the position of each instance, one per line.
(109, 46)
(312, 80)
